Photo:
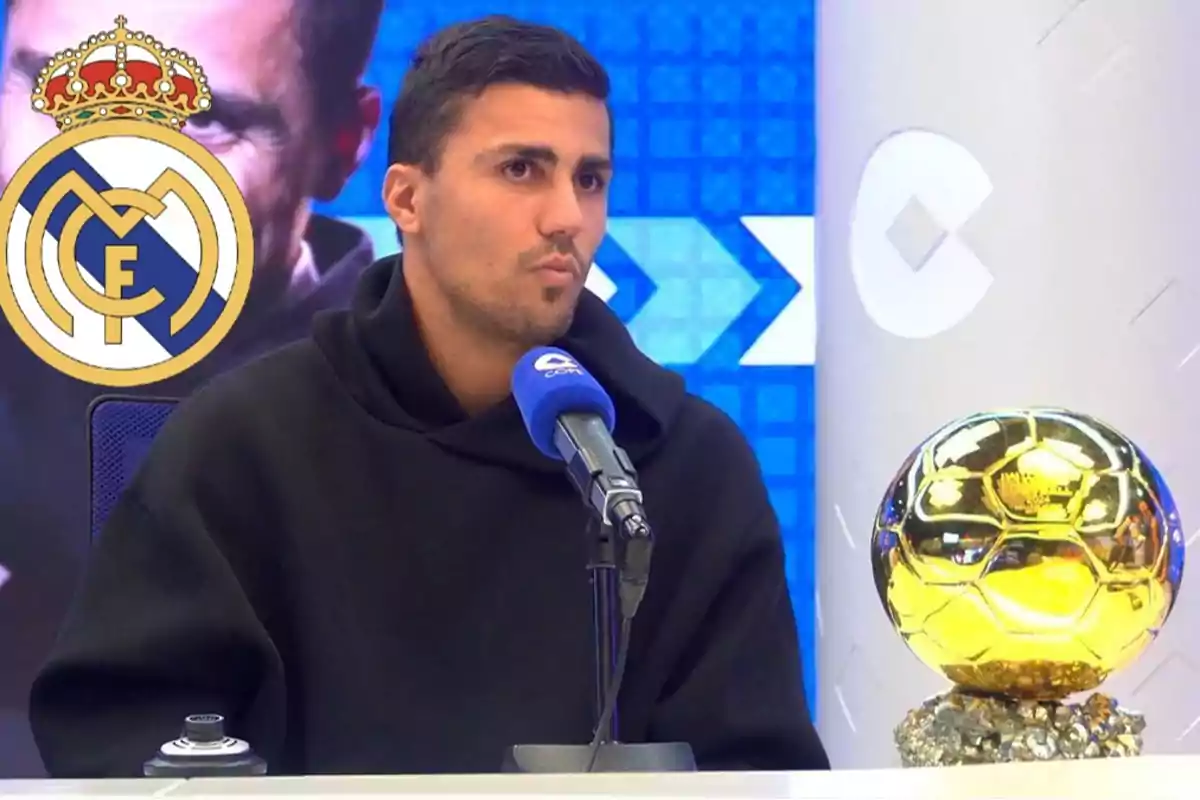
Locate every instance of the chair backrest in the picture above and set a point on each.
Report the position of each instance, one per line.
(120, 430)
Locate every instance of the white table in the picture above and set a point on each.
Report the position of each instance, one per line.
(1144, 778)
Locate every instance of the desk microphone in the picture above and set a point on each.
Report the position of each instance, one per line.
(204, 751)
(570, 418)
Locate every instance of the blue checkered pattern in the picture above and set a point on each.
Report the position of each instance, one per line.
(714, 105)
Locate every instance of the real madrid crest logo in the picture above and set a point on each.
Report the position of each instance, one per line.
(127, 247)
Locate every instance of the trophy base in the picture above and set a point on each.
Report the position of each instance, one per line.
(958, 727)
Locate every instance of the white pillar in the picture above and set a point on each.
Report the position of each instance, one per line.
(1009, 215)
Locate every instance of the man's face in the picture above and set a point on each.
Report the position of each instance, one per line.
(260, 120)
(510, 220)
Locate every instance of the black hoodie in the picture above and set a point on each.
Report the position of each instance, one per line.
(322, 547)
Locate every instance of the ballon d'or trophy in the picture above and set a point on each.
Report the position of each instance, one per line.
(1025, 555)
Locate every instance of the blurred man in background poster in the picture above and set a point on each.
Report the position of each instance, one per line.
(291, 121)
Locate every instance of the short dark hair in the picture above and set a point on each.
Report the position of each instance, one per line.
(335, 39)
(461, 61)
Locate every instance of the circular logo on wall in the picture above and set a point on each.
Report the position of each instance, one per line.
(915, 276)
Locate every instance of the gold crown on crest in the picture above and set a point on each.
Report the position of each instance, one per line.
(121, 74)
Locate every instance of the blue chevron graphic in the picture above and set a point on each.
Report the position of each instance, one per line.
(686, 298)
(700, 288)
(634, 287)
(776, 289)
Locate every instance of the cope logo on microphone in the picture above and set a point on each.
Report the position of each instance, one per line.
(127, 247)
(551, 364)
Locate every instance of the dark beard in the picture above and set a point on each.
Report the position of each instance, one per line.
(509, 325)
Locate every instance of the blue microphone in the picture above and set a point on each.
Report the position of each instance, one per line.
(570, 418)
(548, 382)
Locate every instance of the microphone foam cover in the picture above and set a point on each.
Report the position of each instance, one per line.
(548, 382)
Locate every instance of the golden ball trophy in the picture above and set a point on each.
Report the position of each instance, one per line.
(1025, 555)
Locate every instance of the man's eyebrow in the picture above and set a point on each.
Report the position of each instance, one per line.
(28, 62)
(538, 152)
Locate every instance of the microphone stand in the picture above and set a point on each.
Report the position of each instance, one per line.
(606, 613)
(606, 753)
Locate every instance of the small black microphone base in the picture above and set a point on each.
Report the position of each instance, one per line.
(612, 757)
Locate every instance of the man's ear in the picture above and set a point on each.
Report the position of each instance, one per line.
(349, 144)
(403, 196)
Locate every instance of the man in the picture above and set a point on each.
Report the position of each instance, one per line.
(351, 548)
(291, 120)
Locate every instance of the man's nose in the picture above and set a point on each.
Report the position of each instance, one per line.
(562, 214)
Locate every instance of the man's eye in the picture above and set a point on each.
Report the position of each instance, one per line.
(209, 132)
(591, 182)
(518, 170)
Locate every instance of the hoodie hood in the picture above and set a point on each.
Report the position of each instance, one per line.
(376, 350)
